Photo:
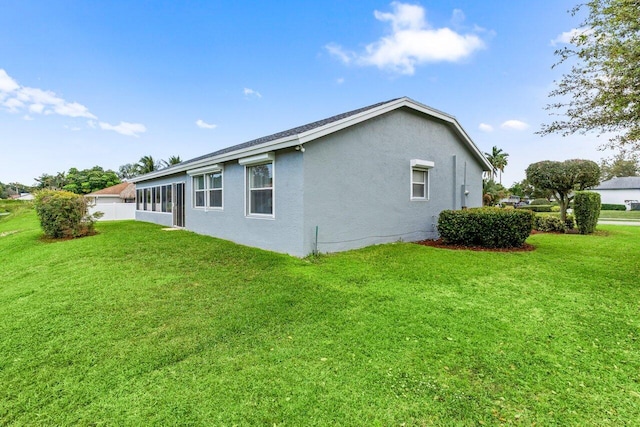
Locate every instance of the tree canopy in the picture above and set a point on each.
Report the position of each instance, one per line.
(601, 93)
(563, 178)
(79, 181)
(621, 164)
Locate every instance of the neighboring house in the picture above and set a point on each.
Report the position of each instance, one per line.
(115, 202)
(378, 174)
(620, 191)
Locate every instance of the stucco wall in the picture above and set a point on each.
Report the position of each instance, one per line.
(358, 182)
(283, 233)
(618, 197)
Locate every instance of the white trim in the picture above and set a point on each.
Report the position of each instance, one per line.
(421, 164)
(303, 137)
(258, 159)
(247, 202)
(426, 184)
(207, 169)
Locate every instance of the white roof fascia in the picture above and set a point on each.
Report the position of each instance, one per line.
(385, 108)
(304, 137)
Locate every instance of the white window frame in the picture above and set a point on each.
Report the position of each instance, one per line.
(210, 189)
(423, 166)
(248, 163)
(205, 172)
(195, 191)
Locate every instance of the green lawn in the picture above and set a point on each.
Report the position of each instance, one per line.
(139, 326)
(620, 215)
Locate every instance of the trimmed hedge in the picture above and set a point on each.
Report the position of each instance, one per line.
(536, 208)
(488, 227)
(63, 214)
(587, 210)
(612, 207)
(539, 202)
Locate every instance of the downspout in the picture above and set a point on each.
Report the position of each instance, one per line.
(455, 184)
(463, 190)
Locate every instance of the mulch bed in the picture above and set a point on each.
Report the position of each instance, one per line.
(442, 245)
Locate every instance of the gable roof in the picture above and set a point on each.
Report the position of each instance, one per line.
(622, 183)
(124, 190)
(305, 133)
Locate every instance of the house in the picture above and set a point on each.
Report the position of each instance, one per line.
(378, 174)
(115, 202)
(620, 191)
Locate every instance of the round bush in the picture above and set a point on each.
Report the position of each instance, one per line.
(63, 214)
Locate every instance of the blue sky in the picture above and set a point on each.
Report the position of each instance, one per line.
(86, 83)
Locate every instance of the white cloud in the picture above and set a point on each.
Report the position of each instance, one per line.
(485, 127)
(204, 125)
(411, 42)
(7, 84)
(16, 98)
(340, 80)
(251, 92)
(566, 36)
(514, 125)
(125, 128)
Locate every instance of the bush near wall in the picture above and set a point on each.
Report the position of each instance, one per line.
(612, 207)
(63, 214)
(488, 227)
(586, 211)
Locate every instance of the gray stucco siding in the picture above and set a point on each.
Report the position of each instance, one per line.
(282, 233)
(358, 181)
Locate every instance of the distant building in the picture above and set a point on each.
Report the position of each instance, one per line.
(620, 191)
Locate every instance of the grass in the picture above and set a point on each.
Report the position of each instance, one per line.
(138, 326)
(620, 215)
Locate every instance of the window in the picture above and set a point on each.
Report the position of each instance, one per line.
(419, 183)
(199, 193)
(260, 189)
(214, 184)
(207, 190)
(420, 179)
(156, 199)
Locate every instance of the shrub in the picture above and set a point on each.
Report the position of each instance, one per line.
(612, 207)
(570, 222)
(488, 227)
(539, 202)
(63, 214)
(555, 208)
(549, 223)
(537, 208)
(587, 210)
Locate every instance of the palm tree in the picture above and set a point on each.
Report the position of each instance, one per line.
(172, 160)
(147, 164)
(498, 160)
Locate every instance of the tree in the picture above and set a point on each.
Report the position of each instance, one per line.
(602, 91)
(498, 160)
(563, 178)
(492, 192)
(172, 160)
(89, 180)
(146, 164)
(620, 165)
(128, 171)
